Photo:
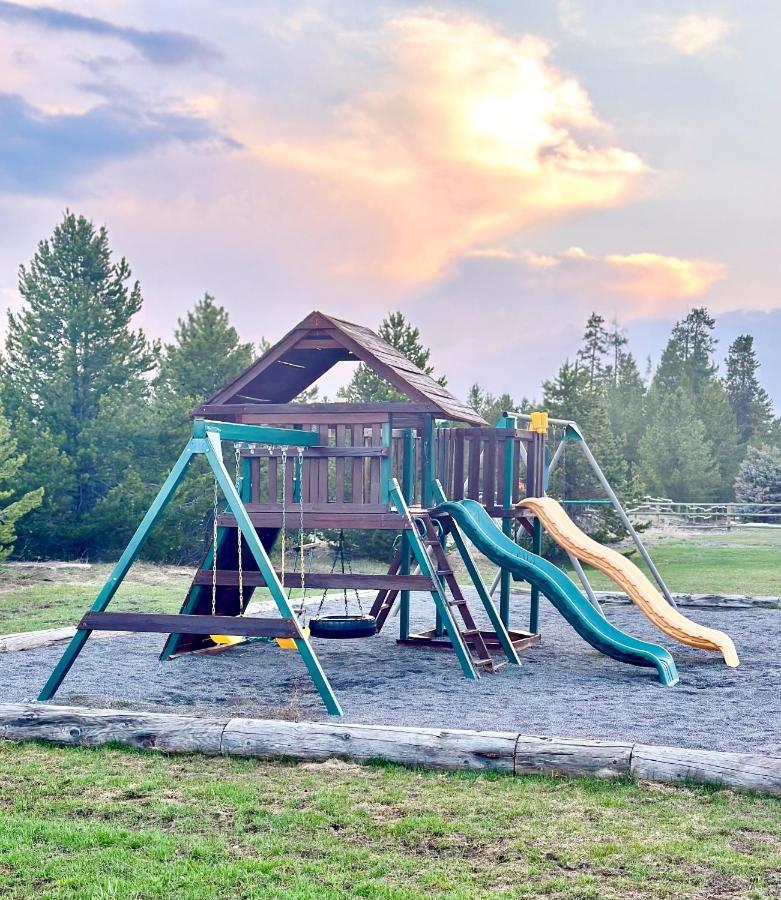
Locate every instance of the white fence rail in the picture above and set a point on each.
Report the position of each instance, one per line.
(664, 513)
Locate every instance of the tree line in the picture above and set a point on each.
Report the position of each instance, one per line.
(94, 413)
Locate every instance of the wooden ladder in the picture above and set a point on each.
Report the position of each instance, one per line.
(471, 634)
(465, 639)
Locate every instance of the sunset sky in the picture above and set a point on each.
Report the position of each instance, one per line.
(496, 170)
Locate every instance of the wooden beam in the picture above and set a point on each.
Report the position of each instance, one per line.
(322, 580)
(157, 623)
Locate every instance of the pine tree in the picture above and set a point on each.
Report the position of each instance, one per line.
(69, 353)
(616, 341)
(595, 346)
(749, 400)
(688, 365)
(368, 387)
(759, 477)
(676, 460)
(11, 462)
(491, 407)
(205, 354)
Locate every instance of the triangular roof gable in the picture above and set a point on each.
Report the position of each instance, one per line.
(314, 346)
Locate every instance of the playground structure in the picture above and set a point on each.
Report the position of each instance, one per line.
(427, 468)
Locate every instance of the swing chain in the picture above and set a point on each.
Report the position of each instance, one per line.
(301, 558)
(214, 550)
(283, 455)
(239, 479)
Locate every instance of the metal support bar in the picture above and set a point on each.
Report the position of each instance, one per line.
(585, 582)
(625, 519)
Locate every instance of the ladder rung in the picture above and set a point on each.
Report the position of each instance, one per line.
(444, 571)
(484, 662)
(470, 632)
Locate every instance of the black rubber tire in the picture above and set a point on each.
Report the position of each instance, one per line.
(342, 627)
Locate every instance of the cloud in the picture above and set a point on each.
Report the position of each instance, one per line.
(645, 281)
(164, 48)
(467, 136)
(42, 152)
(692, 35)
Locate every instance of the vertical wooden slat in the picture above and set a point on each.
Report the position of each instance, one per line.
(254, 476)
(322, 467)
(273, 486)
(290, 471)
(339, 476)
(451, 445)
(473, 485)
(499, 470)
(489, 469)
(374, 476)
(358, 465)
(458, 466)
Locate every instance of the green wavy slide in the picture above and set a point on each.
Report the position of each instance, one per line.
(491, 541)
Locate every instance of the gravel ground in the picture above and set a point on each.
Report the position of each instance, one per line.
(564, 688)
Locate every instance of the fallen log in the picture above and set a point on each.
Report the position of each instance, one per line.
(433, 748)
(93, 727)
(677, 765)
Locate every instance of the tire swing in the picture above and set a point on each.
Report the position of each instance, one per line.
(342, 626)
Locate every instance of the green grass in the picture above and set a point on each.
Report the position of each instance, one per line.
(40, 597)
(98, 823)
(713, 564)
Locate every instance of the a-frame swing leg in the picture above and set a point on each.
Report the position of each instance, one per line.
(247, 529)
(195, 445)
(210, 447)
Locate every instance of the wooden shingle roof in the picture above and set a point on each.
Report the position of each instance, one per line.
(313, 347)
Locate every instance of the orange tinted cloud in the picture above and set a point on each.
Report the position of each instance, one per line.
(469, 136)
(647, 282)
(651, 276)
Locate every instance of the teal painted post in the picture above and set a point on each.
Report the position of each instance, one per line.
(534, 603)
(123, 565)
(214, 457)
(438, 592)
(507, 422)
(427, 487)
(386, 463)
(408, 489)
(428, 461)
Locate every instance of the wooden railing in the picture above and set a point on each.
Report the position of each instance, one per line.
(348, 469)
(483, 464)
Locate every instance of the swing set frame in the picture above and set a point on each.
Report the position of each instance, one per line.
(206, 441)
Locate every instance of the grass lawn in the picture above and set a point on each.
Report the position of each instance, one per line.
(734, 563)
(103, 822)
(33, 597)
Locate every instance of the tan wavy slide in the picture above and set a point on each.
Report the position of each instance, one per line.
(629, 578)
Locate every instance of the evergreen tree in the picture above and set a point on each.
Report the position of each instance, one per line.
(368, 387)
(570, 395)
(759, 477)
(11, 462)
(688, 365)
(616, 341)
(687, 359)
(676, 460)
(595, 346)
(626, 405)
(491, 407)
(70, 352)
(749, 400)
(206, 353)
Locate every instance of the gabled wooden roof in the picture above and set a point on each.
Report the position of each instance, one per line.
(313, 347)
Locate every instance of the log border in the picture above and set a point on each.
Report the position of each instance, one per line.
(433, 748)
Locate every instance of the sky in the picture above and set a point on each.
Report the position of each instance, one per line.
(495, 170)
